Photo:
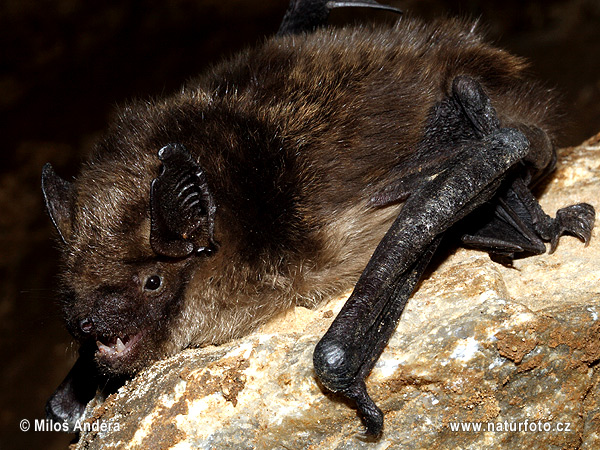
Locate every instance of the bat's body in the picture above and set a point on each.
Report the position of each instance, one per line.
(282, 170)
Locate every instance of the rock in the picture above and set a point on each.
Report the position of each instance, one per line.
(513, 351)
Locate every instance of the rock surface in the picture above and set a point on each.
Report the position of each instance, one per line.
(514, 351)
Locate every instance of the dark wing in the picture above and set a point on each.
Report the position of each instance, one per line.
(307, 15)
(72, 395)
(486, 168)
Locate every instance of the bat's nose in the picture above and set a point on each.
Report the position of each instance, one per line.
(86, 326)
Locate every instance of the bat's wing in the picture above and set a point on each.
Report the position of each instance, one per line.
(307, 15)
(487, 160)
(70, 398)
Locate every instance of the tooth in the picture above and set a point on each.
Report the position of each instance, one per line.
(104, 348)
(120, 346)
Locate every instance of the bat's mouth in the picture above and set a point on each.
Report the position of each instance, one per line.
(117, 346)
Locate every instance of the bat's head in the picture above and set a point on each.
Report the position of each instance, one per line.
(134, 235)
(169, 231)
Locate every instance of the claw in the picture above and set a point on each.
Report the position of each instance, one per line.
(307, 15)
(371, 414)
(361, 4)
(577, 220)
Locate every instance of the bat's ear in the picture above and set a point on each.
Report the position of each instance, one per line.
(181, 205)
(58, 195)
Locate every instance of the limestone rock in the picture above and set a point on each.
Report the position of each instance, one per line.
(514, 351)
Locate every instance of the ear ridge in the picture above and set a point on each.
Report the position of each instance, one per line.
(162, 240)
(182, 208)
(58, 197)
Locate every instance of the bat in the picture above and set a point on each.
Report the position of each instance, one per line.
(318, 160)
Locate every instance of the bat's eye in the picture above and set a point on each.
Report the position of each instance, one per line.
(153, 283)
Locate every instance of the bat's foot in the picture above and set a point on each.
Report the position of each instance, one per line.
(518, 226)
(576, 220)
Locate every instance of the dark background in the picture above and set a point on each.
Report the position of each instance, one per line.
(65, 65)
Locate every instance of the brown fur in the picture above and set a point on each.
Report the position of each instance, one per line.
(295, 136)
